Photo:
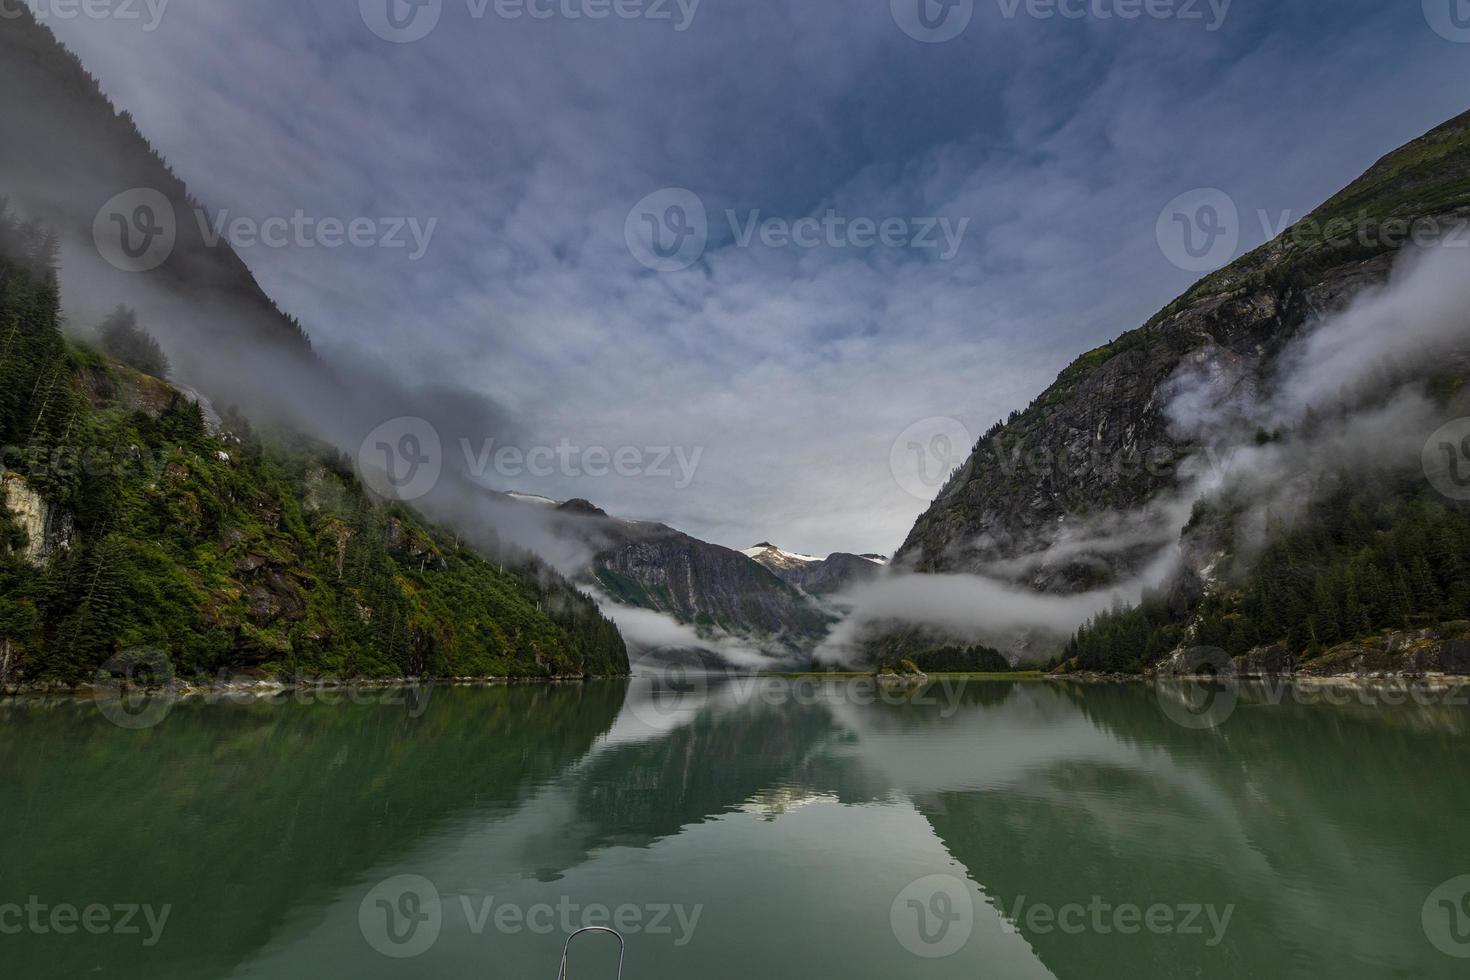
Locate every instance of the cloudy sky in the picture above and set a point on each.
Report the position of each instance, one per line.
(1024, 163)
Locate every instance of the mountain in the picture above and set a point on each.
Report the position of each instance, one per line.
(67, 152)
(817, 576)
(136, 521)
(1083, 489)
(714, 589)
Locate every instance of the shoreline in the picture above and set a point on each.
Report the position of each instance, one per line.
(261, 688)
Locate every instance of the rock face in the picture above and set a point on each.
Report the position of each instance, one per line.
(1045, 497)
(817, 576)
(653, 566)
(1272, 661)
(1445, 650)
(48, 528)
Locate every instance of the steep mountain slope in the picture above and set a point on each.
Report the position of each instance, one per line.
(817, 576)
(67, 152)
(1083, 488)
(653, 566)
(276, 557)
(131, 526)
(1100, 441)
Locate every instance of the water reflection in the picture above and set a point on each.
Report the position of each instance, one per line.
(791, 815)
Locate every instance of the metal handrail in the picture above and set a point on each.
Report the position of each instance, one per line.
(622, 948)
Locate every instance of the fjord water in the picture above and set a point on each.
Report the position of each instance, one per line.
(737, 829)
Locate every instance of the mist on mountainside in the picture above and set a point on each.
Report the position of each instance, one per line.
(1346, 395)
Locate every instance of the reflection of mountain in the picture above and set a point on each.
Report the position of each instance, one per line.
(736, 748)
(1247, 815)
(802, 808)
(236, 815)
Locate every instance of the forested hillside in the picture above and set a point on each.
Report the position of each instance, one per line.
(135, 521)
(1373, 553)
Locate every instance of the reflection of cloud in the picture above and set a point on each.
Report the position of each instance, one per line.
(647, 631)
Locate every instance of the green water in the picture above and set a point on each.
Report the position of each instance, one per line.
(739, 830)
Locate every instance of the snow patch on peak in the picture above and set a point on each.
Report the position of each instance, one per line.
(767, 550)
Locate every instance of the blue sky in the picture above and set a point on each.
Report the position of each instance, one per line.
(793, 371)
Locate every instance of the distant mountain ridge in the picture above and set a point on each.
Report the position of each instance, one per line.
(764, 595)
(818, 576)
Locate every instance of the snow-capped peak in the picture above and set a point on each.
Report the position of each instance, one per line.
(767, 550)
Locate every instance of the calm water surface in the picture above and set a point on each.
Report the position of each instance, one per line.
(737, 829)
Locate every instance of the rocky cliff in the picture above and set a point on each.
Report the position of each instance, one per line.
(715, 589)
(1065, 495)
(817, 576)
